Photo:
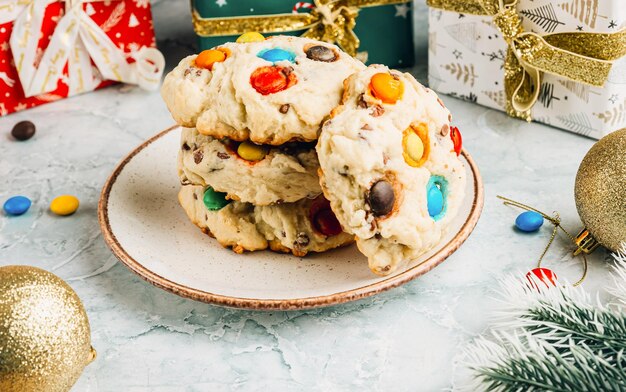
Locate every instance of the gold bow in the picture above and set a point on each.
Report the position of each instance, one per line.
(579, 56)
(330, 21)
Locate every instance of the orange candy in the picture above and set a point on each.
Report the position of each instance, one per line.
(386, 88)
(207, 58)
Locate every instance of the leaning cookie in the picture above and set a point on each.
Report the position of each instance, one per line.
(260, 175)
(390, 168)
(299, 228)
(270, 92)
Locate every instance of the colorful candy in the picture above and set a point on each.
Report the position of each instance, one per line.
(544, 275)
(416, 145)
(529, 221)
(381, 198)
(64, 205)
(214, 200)
(321, 53)
(251, 36)
(23, 130)
(455, 135)
(323, 219)
(386, 87)
(270, 80)
(436, 191)
(251, 152)
(16, 205)
(208, 57)
(275, 55)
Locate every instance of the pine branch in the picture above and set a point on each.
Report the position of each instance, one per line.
(618, 289)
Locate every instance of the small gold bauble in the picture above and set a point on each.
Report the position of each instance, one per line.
(600, 190)
(45, 342)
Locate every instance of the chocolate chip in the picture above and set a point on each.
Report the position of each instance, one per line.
(23, 130)
(284, 108)
(395, 76)
(222, 155)
(186, 147)
(381, 198)
(377, 111)
(198, 72)
(361, 102)
(187, 72)
(445, 129)
(195, 197)
(301, 240)
(449, 117)
(283, 234)
(321, 53)
(198, 155)
(286, 71)
(366, 127)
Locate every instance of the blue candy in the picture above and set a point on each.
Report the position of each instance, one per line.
(16, 205)
(275, 55)
(529, 221)
(436, 192)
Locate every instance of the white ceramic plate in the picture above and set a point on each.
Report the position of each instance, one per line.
(148, 231)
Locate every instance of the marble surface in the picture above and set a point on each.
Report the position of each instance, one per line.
(407, 339)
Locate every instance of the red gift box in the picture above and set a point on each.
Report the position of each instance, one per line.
(127, 23)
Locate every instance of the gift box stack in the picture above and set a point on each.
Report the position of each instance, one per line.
(470, 57)
(345, 22)
(81, 46)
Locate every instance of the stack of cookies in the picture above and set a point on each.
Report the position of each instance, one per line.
(252, 112)
(291, 144)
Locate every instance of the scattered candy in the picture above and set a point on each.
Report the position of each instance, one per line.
(16, 205)
(23, 130)
(436, 197)
(386, 88)
(214, 200)
(544, 275)
(455, 135)
(529, 221)
(207, 58)
(415, 144)
(252, 36)
(381, 198)
(275, 55)
(251, 152)
(323, 219)
(64, 205)
(321, 53)
(270, 80)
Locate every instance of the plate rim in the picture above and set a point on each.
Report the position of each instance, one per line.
(279, 304)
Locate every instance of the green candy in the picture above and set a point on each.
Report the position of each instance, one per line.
(214, 200)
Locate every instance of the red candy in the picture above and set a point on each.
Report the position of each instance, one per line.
(455, 135)
(270, 80)
(542, 274)
(323, 219)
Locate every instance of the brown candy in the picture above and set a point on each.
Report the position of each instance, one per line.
(23, 130)
(321, 53)
(381, 198)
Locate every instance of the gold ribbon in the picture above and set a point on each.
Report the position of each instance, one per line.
(330, 21)
(579, 56)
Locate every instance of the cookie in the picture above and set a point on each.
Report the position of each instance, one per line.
(270, 92)
(267, 175)
(390, 168)
(299, 228)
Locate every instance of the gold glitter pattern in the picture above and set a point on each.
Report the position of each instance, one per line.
(44, 332)
(600, 190)
(578, 56)
(331, 21)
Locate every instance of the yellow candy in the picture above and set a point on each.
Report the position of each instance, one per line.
(251, 152)
(415, 144)
(386, 88)
(64, 205)
(207, 58)
(252, 36)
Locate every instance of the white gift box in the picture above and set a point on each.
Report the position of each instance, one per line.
(467, 52)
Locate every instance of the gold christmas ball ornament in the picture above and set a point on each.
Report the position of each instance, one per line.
(45, 341)
(600, 194)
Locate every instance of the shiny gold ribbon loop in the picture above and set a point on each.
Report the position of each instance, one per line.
(578, 56)
(330, 21)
